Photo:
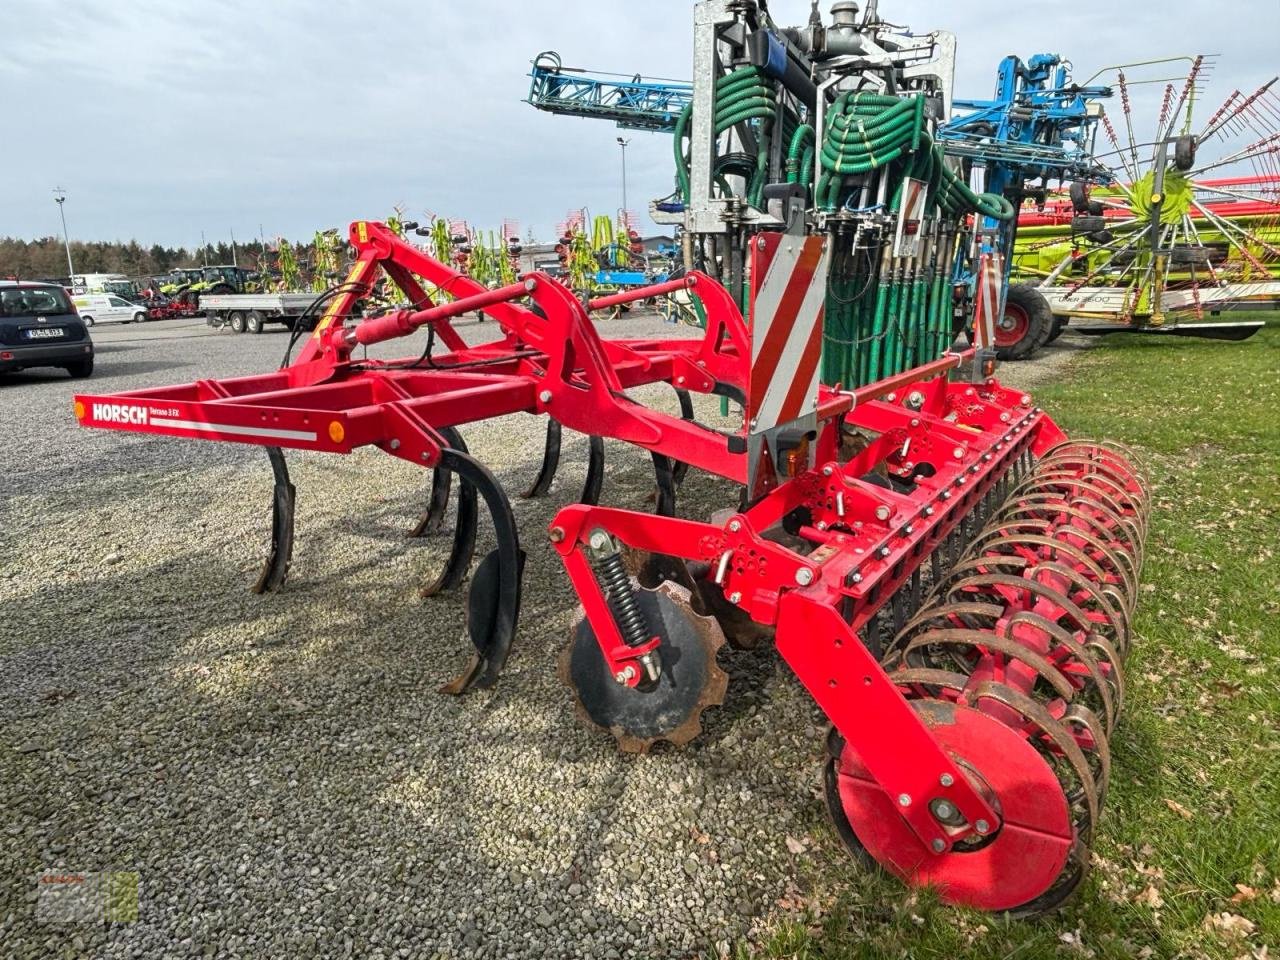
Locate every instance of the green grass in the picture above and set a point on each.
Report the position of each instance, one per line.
(1194, 805)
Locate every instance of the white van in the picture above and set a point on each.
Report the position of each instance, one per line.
(106, 308)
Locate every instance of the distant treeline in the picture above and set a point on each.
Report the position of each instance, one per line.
(47, 257)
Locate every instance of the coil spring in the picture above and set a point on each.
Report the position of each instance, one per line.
(617, 586)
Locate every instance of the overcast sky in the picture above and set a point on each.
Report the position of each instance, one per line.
(162, 118)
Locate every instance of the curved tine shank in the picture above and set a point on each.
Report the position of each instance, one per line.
(505, 563)
(463, 547)
(595, 471)
(276, 568)
(679, 468)
(550, 461)
(664, 477)
(432, 520)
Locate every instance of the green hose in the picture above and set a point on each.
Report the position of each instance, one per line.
(741, 96)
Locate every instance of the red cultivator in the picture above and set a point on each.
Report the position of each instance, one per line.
(949, 577)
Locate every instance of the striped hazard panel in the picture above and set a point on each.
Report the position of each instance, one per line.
(789, 289)
(986, 302)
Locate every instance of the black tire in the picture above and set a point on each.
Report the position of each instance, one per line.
(236, 320)
(1080, 197)
(87, 321)
(140, 317)
(1184, 152)
(254, 321)
(1026, 325)
(1055, 331)
(1087, 223)
(81, 368)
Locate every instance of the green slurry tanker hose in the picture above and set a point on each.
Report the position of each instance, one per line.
(741, 96)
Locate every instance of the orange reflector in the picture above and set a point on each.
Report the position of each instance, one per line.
(79, 408)
(336, 431)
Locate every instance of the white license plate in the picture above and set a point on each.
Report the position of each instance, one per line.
(44, 333)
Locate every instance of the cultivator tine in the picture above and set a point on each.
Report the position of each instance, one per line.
(493, 605)
(679, 468)
(276, 568)
(898, 612)
(665, 479)
(550, 461)
(595, 471)
(874, 636)
(463, 547)
(432, 521)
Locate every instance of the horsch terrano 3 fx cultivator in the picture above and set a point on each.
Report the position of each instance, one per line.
(950, 577)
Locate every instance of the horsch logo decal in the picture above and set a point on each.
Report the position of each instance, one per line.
(119, 413)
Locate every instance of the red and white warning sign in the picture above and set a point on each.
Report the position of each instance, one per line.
(986, 301)
(789, 276)
(906, 240)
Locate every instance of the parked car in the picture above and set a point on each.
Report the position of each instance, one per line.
(108, 308)
(39, 327)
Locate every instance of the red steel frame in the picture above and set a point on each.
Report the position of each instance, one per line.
(552, 361)
(819, 601)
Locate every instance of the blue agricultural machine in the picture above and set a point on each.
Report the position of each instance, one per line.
(1038, 127)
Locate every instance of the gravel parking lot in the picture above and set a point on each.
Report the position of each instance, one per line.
(280, 771)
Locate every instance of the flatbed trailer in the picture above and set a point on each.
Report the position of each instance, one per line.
(252, 311)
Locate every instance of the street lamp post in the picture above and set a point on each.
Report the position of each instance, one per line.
(60, 197)
(623, 144)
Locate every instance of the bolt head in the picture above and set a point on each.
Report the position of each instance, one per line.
(856, 578)
(735, 597)
(545, 396)
(946, 779)
(804, 576)
(1004, 417)
(958, 453)
(908, 530)
(982, 827)
(938, 845)
(946, 494)
(556, 534)
(735, 526)
(395, 444)
(679, 379)
(928, 511)
(904, 799)
(884, 551)
(827, 470)
(599, 540)
(1026, 400)
(882, 512)
(945, 809)
(889, 398)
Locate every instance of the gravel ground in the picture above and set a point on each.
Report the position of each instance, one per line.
(279, 770)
